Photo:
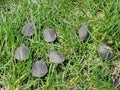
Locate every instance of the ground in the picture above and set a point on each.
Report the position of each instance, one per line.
(83, 69)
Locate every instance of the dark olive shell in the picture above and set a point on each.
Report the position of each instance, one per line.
(83, 32)
(21, 52)
(56, 57)
(105, 51)
(29, 29)
(49, 35)
(39, 69)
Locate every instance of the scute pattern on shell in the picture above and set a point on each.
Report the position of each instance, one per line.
(29, 29)
(39, 69)
(21, 52)
(56, 57)
(105, 51)
(83, 32)
(49, 35)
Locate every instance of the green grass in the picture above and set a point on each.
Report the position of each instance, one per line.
(82, 70)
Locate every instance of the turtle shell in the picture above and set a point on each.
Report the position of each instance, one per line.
(29, 29)
(39, 69)
(105, 51)
(56, 57)
(21, 52)
(49, 35)
(83, 32)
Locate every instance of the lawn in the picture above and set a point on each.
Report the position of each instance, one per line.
(83, 68)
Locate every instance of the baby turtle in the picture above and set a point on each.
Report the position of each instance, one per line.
(39, 69)
(21, 52)
(83, 32)
(105, 51)
(56, 57)
(49, 35)
(29, 29)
